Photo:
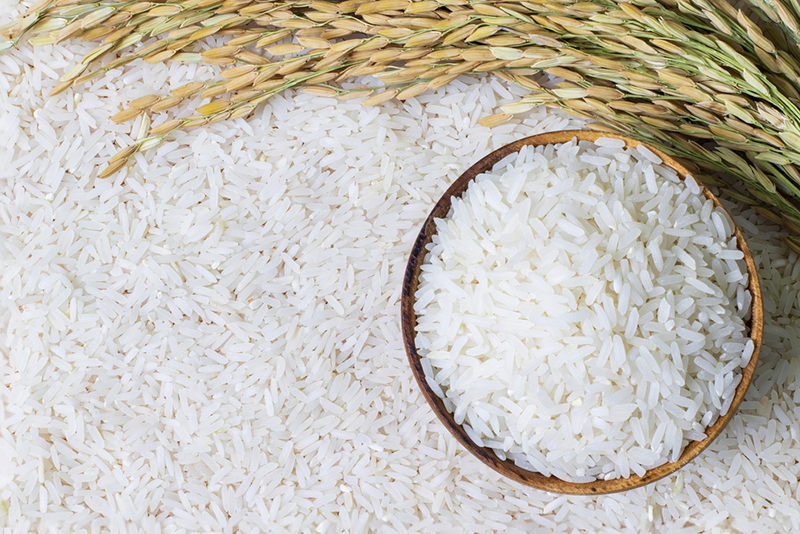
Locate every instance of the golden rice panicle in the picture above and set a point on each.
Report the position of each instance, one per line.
(620, 75)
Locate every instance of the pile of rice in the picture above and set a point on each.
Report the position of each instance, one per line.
(211, 342)
(581, 310)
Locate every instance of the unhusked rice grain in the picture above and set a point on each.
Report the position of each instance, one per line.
(575, 314)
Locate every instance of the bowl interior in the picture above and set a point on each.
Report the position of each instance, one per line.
(486, 455)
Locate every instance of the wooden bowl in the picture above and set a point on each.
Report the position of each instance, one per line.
(486, 455)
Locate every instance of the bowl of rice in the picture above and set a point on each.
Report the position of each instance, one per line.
(581, 314)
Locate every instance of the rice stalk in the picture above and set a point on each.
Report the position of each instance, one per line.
(677, 74)
(627, 117)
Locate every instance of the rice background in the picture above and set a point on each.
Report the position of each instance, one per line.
(211, 343)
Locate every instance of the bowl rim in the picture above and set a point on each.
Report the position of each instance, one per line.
(506, 467)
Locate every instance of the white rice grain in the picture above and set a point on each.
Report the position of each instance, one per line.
(637, 336)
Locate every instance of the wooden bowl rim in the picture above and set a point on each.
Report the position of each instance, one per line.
(486, 455)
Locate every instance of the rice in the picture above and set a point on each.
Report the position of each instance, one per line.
(95, 431)
(589, 369)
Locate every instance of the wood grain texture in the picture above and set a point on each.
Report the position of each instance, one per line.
(486, 455)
